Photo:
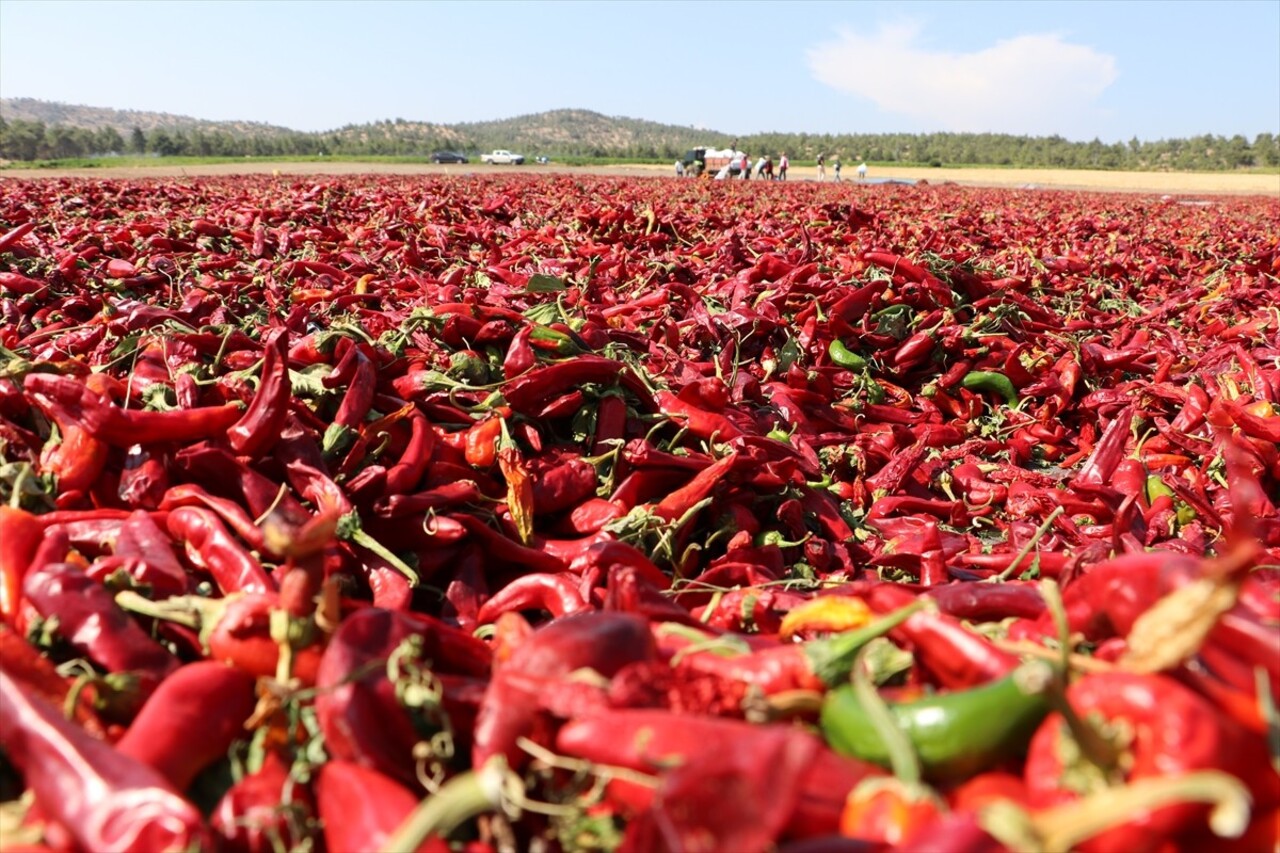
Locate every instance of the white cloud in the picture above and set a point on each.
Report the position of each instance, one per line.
(1035, 84)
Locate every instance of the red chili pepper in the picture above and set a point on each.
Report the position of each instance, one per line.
(20, 534)
(228, 511)
(211, 547)
(611, 423)
(455, 493)
(604, 642)
(264, 808)
(913, 351)
(700, 423)
(952, 654)
(529, 392)
(498, 547)
(237, 632)
(1107, 455)
(89, 789)
(20, 284)
(679, 502)
(520, 356)
(356, 401)
(561, 482)
(144, 552)
(806, 799)
(357, 707)
(89, 619)
(205, 697)
(482, 443)
(361, 808)
(79, 457)
(1162, 729)
(556, 594)
(119, 427)
(14, 235)
(261, 424)
(407, 473)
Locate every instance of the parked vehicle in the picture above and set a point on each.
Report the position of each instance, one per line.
(712, 160)
(448, 157)
(502, 157)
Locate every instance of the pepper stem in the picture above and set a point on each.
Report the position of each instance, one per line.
(902, 755)
(1064, 827)
(831, 657)
(1031, 543)
(1095, 748)
(349, 528)
(461, 798)
(188, 611)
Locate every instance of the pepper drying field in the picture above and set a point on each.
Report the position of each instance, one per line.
(575, 512)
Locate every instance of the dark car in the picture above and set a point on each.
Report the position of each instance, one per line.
(448, 157)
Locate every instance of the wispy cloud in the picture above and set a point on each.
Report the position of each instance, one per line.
(1037, 83)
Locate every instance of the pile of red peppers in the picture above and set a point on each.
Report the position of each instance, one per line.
(577, 513)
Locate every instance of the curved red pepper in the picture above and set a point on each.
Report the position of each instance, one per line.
(20, 535)
(210, 546)
(88, 617)
(89, 789)
(812, 794)
(119, 427)
(602, 641)
(205, 697)
(260, 425)
(954, 655)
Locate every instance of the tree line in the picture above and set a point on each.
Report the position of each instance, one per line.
(33, 140)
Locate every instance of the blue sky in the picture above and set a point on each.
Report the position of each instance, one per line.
(1112, 69)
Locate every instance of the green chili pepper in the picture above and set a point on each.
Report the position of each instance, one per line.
(955, 734)
(990, 380)
(1156, 488)
(547, 339)
(844, 357)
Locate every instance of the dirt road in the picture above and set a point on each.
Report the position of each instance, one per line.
(1173, 183)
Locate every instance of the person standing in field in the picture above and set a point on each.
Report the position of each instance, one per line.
(782, 166)
(679, 168)
(835, 164)
(822, 167)
(862, 170)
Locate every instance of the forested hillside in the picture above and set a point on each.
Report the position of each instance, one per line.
(37, 130)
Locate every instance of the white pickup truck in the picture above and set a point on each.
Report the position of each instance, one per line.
(502, 157)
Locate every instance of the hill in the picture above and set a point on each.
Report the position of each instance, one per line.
(40, 130)
(566, 132)
(124, 121)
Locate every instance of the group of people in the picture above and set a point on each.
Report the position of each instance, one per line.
(835, 167)
(764, 168)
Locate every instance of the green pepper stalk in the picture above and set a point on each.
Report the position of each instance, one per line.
(463, 797)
